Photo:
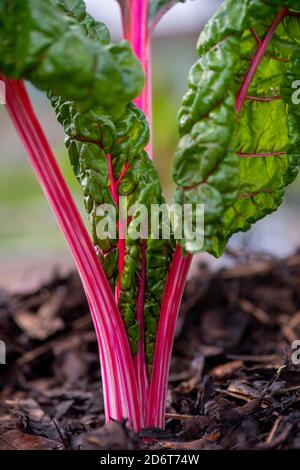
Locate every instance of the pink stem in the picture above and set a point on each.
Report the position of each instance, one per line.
(140, 363)
(165, 338)
(262, 47)
(120, 388)
(266, 99)
(136, 31)
(114, 189)
(113, 184)
(263, 155)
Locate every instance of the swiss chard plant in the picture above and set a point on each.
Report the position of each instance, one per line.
(239, 147)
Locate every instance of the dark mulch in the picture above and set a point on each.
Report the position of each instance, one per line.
(232, 383)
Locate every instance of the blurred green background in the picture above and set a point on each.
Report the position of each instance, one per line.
(29, 235)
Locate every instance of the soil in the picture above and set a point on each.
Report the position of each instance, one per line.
(233, 384)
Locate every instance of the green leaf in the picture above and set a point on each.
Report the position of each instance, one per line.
(92, 139)
(59, 47)
(237, 153)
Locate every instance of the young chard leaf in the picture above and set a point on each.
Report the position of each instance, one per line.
(108, 159)
(240, 130)
(108, 154)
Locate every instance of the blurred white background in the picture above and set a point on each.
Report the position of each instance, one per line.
(183, 18)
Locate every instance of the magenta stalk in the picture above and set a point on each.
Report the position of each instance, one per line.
(136, 31)
(119, 383)
(262, 47)
(165, 338)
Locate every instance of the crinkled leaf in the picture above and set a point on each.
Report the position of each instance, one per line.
(105, 150)
(58, 46)
(95, 141)
(237, 161)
